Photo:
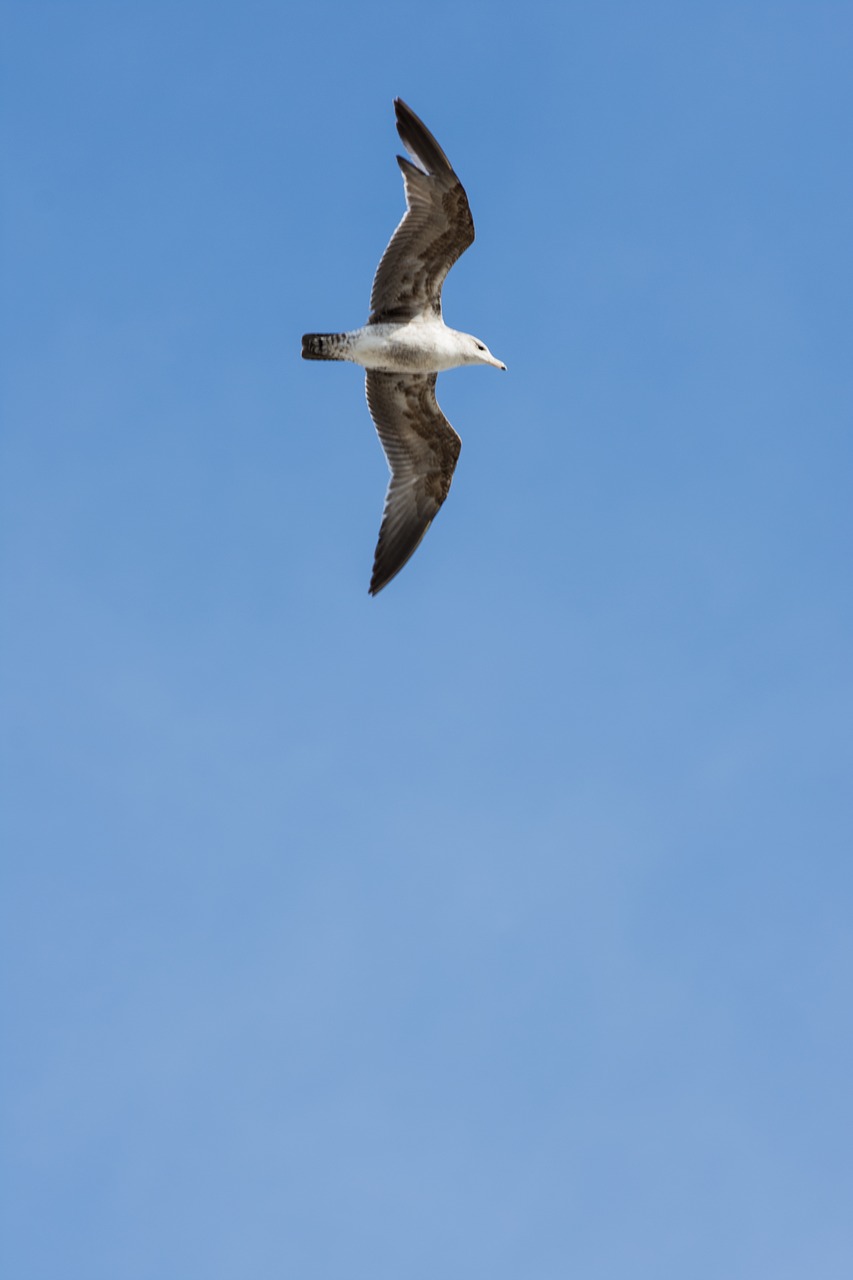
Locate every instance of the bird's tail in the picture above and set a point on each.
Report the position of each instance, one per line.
(324, 346)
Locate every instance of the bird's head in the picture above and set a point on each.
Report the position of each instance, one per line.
(480, 354)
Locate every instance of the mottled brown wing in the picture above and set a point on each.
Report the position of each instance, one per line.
(436, 229)
(422, 451)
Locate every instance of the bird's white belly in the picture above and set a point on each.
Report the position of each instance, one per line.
(418, 346)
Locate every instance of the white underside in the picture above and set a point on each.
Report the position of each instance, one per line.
(418, 346)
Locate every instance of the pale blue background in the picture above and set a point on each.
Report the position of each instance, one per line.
(499, 927)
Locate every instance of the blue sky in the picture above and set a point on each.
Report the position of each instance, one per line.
(498, 926)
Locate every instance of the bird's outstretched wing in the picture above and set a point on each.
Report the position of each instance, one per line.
(436, 229)
(422, 451)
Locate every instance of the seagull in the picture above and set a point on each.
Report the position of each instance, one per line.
(406, 344)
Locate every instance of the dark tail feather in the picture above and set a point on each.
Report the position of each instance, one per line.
(323, 346)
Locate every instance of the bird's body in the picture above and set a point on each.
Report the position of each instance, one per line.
(406, 343)
(423, 344)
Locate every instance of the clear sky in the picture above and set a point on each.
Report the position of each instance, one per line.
(499, 926)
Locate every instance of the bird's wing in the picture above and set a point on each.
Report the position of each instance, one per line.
(436, 229)
(422, 451)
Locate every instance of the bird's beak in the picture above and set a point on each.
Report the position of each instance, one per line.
(498, 364)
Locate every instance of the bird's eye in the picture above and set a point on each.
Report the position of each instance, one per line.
(480, 347)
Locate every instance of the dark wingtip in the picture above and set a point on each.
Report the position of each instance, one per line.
(377, 582)
(418, 140)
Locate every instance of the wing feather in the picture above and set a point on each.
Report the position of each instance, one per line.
(435, 231)
(422, 451)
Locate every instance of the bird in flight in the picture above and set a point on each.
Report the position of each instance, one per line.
(406, 344)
